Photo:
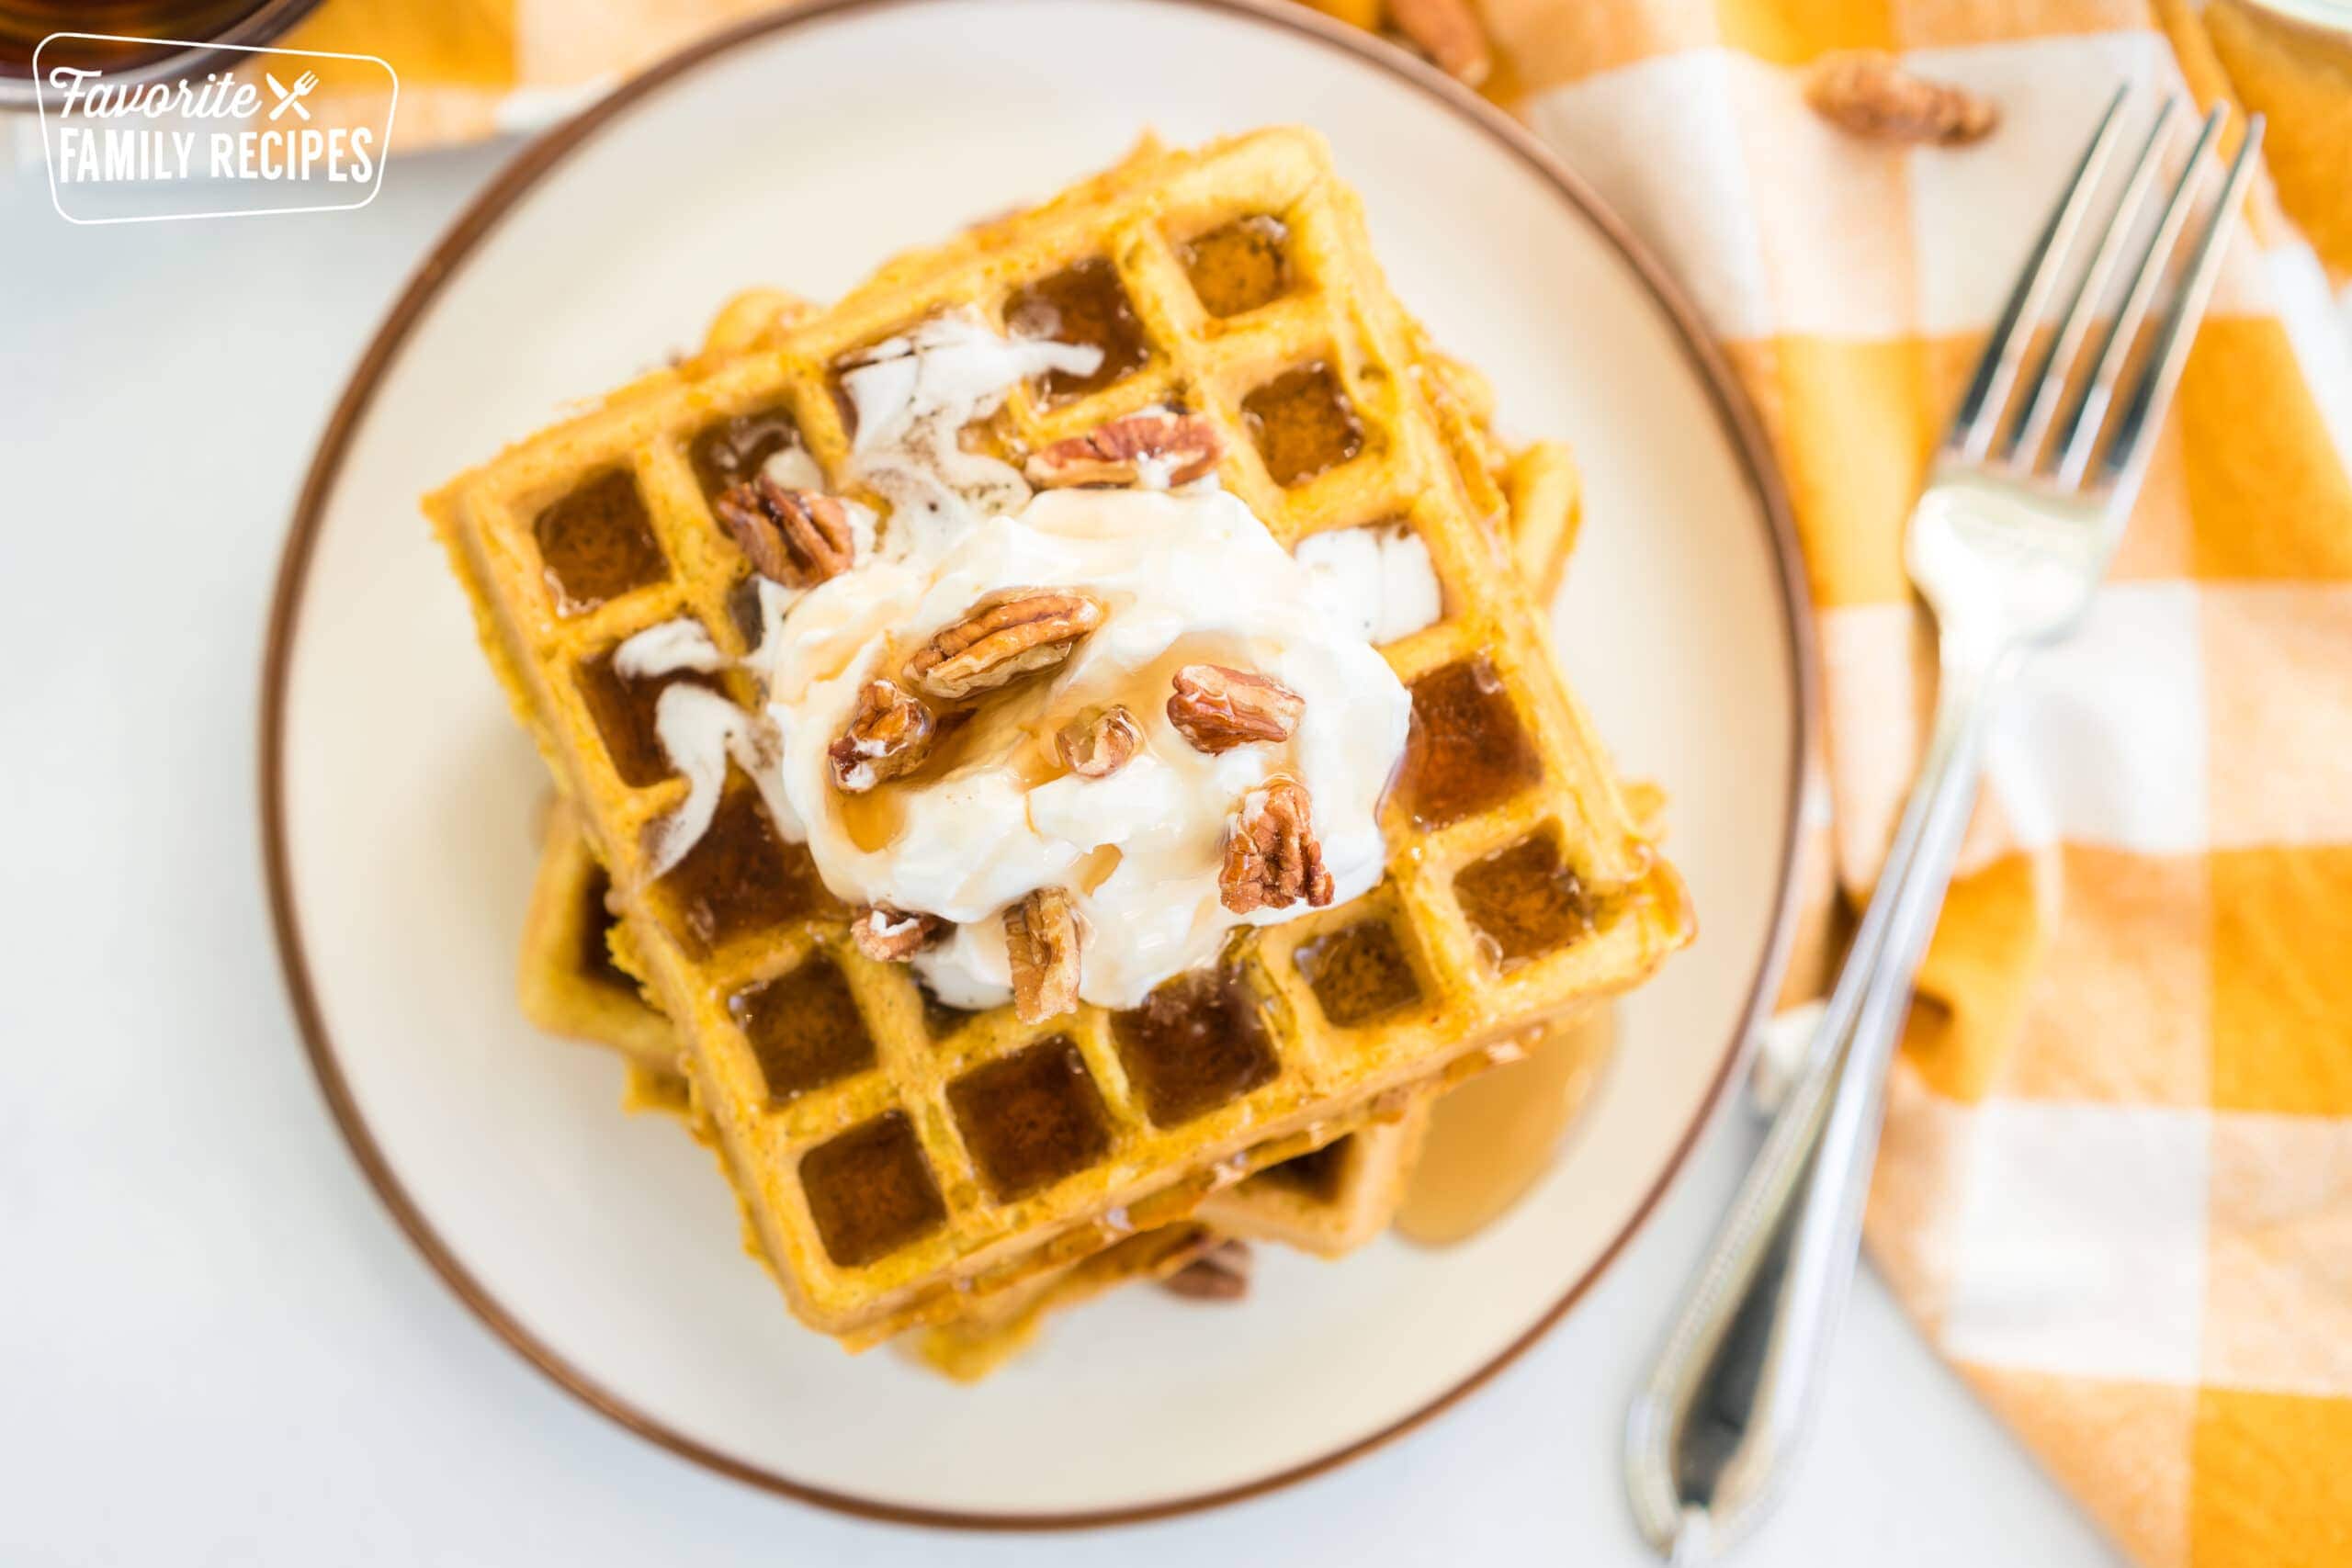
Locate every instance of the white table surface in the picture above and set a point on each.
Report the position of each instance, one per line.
(215, 1347)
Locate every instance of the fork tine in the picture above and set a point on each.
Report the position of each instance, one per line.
(2079, 436)
(1979, 417)
(2143, 412)
(2089, 289)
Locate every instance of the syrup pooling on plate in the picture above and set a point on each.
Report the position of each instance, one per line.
(1493, 1138)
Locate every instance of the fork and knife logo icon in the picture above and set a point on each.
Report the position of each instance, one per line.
(291, 98)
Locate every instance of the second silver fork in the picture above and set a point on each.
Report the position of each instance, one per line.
(2025, 503)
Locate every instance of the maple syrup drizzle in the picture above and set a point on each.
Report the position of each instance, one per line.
(1492, 1139)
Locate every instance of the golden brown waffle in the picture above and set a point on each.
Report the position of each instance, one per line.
(570, 984)
(975, 1343)
(1541, 495)
(905, 1157)
(1329, 1201)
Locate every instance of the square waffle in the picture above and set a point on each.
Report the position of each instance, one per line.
(1327, 1202)
(892, 1170)
(1338, 1197)
(1341, 1196)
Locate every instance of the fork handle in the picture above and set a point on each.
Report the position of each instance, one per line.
(1718, 1423)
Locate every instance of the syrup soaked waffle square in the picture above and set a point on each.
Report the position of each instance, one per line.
(572, 985)
(970, 1152)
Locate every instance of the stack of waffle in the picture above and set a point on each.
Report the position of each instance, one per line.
(902, 1165)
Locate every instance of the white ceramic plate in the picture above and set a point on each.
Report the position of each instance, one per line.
(400, 797)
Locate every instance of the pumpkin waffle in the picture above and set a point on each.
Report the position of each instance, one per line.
(993, 1330)
(1331, 1200)
(895, 1168)
(1541, 496)
(1328, 1201)
(570, 985)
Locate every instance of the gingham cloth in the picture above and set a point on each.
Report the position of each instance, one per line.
(2116, 1184)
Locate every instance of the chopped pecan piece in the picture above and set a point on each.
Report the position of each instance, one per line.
(1098, 746)
(797, 536)
(1041, 941)
(889, 734)
(1155, 448)
(1007, 633)
(1217, 708)
(1271, 858)
(892, 936)
(1868, 93)
(1220, 1274)
(1450, 33)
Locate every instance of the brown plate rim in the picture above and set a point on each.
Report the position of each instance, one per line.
(482, 215)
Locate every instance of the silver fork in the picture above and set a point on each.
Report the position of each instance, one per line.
(2023, 508)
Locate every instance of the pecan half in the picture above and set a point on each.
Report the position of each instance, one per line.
(1868, 93)
(889, 734)
(1271, 858)
(1041, 941)
(797, 536)
(1155, 448)
(1450, 33)
(1098, 746)
(1220, 1274)
(1217, 708)
(1007, 633)
(893, 936)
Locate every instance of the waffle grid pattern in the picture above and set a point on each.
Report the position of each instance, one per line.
(962, 1163)
(571, 984)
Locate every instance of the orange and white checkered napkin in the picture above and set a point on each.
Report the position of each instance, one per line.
(2117, 1182)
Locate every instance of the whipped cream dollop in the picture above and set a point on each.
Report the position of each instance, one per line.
(914, 395)
(1185, 577)
(1376, 579)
